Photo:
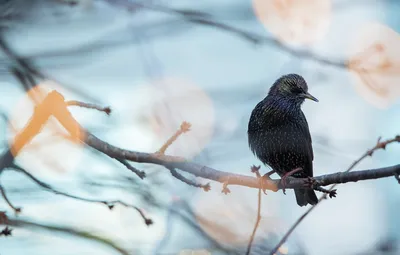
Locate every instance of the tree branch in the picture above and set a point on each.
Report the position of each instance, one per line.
(109, 203)
(139, 173)
(345, 177)
(55, 105)
(3, 193)
(61, 229)
(185, 127)
(208, 20)
(192, 16)
(205, 187)
(106, 110)
(237, 179)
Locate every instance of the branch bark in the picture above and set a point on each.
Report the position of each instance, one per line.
(59, 110)
(237, 179)
(55, 105)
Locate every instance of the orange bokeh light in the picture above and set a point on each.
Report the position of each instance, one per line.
(375, 64)
(52, 149)
(295, 21)
(173, 102)
(230, 219)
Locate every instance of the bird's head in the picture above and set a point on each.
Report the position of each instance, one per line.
(292, 87)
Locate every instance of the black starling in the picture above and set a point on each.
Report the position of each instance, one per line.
(278, 133)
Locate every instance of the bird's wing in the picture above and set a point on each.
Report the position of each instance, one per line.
(307, 135)
(256, 118)
(307, 145)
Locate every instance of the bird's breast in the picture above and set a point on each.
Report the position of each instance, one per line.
(279, 145)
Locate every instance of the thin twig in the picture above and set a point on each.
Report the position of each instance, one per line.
(3, 193)
(110, 204)
(139, 173)
(147, 221)
(205, 19)
(368, 153)
(255, 170)
(66, 230)
(225, 188)
(185, 127)
(331, 193)
(106, 109)
(205, 187)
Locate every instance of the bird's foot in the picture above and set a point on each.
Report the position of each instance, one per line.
(285, 176)
(310, 182)
(266, 177)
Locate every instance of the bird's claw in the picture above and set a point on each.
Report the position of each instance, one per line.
(283, 184)
(310, 182)
(264, 178)
(285, 176)
(256, 170)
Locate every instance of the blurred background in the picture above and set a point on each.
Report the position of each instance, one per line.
(157, 63)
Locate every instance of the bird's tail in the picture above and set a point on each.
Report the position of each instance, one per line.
(305, 196)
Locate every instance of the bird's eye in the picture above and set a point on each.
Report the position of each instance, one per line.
(297, 90)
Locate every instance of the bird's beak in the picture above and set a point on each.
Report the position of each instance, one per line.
(309, 96)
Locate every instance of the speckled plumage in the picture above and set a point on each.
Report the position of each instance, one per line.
(278, 132)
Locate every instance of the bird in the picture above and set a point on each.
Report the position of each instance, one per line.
(279, 136)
